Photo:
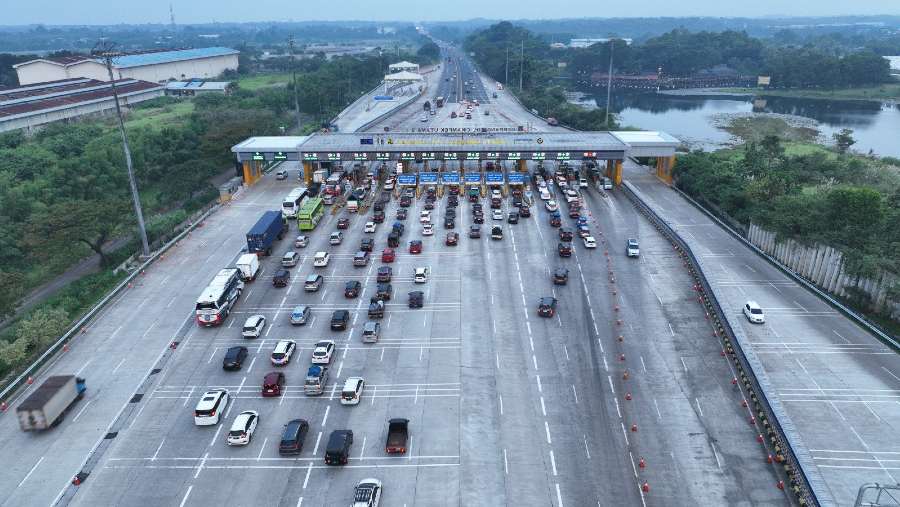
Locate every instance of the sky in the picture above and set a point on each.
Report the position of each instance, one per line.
(77, 12)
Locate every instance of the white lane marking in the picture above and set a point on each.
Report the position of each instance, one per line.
(700, 410)
(559, 501)
(216, 436)
(114, 333)
(683, 364)
(252, 362)
(261, 343)
(497, 359)
(658, 413)
(299, 501)
(534, 360)
(155, 454)
(599, 343)
(211, 356)
(83, 367)
(262, 449)
(889, 372)
(325, 419)
(82, 410)
(553, 463)
(316, 447)
(505, 463)
(30, 472)
(200, 467)
(586, 449)
(575, 393)
(671, 331)
(716, 455)
(538, 377)
(340, 367)
(631, 460)
(186, 495)
(611, 388)
(547, 431)
(543, 407)
(624, 433)
(566, 350)
(500, 396)
(618, 411)
(188, 397)
(643, 364)
(308, 472)
(840, 335)
(363, 451)
(531, 342)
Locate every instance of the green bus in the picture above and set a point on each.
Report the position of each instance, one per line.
(310, 213)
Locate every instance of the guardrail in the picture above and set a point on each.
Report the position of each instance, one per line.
(768, 414)
(33, 369)
(859, 319)
(401, 105)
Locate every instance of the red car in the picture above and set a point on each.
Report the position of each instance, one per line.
(343, 223)
(273, 383)
(452, 239)
(415, 247)
(387, 255)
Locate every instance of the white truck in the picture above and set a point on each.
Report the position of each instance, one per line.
(248, 264)
(47, 405)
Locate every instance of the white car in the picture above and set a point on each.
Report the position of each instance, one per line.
(284, 349)
(631, 249)
(301, 241)
(352, 391)
(590, 242)
(389, 184)
(551, 205)
(323, 352)
(367, 493)
(253, 326)
(243, 427)
(321, 259)
(336, 238)
(754, 312)
(425, 217)
(545, 194)
(423, 118)
(421, 275)
(282, 174)
(427, 230)
(211, 406)
(571, 192)
(497, 214)
(369, 227)
(582, 183)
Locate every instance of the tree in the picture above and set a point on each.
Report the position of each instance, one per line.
(42, 327)
(87, 222)
(12, 285)
(843, 140)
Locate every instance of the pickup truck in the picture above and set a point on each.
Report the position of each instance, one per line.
(268, 228)
(376, 308)
(316, 378)
(398, 435)
(47, 405)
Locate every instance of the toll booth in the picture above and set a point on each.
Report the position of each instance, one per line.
(406, 181)
(426, 179)
(450, 183)
(473, 184)
(516, 183)
(495, 180)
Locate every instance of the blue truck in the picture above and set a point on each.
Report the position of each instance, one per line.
(271, 226)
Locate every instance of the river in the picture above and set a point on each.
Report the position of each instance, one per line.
(875, 125)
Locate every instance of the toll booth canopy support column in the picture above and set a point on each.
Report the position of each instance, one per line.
(617, 173)
(307, 173)
(664, 166)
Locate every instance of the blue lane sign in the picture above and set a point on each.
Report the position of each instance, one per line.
(406, 179)
(428, 178)
(450, 178)
(473, 177)
(517, 178)
(383, 97)
(494, 177)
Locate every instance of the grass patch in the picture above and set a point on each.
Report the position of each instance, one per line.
(159, 117)
(263, 81)
(888, 91)
(757, 127)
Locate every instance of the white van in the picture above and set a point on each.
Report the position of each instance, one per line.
(352, 391)
(321, 259)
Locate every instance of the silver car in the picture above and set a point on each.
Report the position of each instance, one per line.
(300, 315)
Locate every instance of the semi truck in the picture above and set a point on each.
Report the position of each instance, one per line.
(46, 406)
(397, 437)
(248, 264)
(268, 228)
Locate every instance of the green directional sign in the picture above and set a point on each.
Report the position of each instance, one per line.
(258, 156)
(279, 155)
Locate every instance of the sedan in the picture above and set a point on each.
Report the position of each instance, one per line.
(564, 249)
(300, 315)
(551, 205)
(474, 231)
(368, 491)
(590, 242)
(384, 274)
(301, 241)
(401, 214)
(234, 358)
(560, 276)
(352, 289)
(415, 247)
(284, 349)
(547, 307)
(425, 217)
(369, 227)
(243, 427)
(253, 326)
(427, 230)
(497, 214)
(323, 352)
(367, 244)
(387, 255)
(452, 239)
(343, 223)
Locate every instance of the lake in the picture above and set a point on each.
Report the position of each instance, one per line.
(876, 126)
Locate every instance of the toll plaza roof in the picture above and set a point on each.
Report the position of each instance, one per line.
(269, 148)
(648, 144)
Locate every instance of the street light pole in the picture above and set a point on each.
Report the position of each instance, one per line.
(106, 51)
(609, 81)
(294, 79)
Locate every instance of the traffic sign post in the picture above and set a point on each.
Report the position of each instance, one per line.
(406, 179)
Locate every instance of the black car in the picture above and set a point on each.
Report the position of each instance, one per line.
(379, 206)
(378, 216)
(401, 214)
(352, 289)
(513, 218)
(452, 239)
(416, 299)
(477, 207)
(292, 437)
(524, 211)
(429, 204)
(339, 320)
(393, 239)
(449, 223)
(560, 276)
(385, 273)
(547, 307)
(343, 223)
(234, 358)
(450, 213)
(367, 244)
(405, 202)
(474, 231)
(384, 291)
(478, 219)
(564, 249)
(337, 452)
(281, 278)
(565, 234)
(453, 201)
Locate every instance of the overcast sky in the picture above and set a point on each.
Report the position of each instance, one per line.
(67, 12)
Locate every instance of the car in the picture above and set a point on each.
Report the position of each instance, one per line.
(631, 248)
(211, 406)
(361, 258)
(415, 247)
(512, 218)
(378, 216)
(551, 205)
(234, 358)
(389, 184)
(242, 428)
(401, 214)
(336, 238)
(432, 113)
(582, 220)
(497, 214)
(290, 259)
(369, 227)
(273, 384)
(387, 255)
(555, 220)
(300, 314)
(353, 389)
(371, 332)
(429, 204)
(340, 319)
(367, 493)
(283, 351)
(337, 451)
(320, 260)
(574, 213)
(590, 242)
(323, 352)
(452, 239)
(583, 231)
(427, 230)
(423, 118)
(564, 249)
(384, 274)
(292, 436)
(352, 289)
(474, 231)
(449, 223)
(477, 206)
(281, 278)
(547, 307)
(496, 232)
(545, 194)
(343, 223)
(253, 326)
(282, 174)
(453, 114)
(468, 115)
(384, 291)
(607, 184)
(571, 193)
(313, 283)
(421, 275)
(416, 299)
(301, 241)
(565, 234)
(478, 218)
(376, 308)
(405, 201)
(582, 183)
(560, 276)
(425, 217)
(367, 244)
(450, 212)
(754, 312)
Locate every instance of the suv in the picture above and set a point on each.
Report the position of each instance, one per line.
(313, 283)
(284, 349)
(631, 248)
(415, 247)
(384, 291)
(367, 244)
(273, 384)
(211, 406)
(352, 390)
(565, 249)
(416, 299)
(754, 312)
(352, 288)
(560, 276)
(323, 352)
(300, 315)
(243, 427)
(371, 331)
(281, 278)
(234, 358)
(565, 234)
(361, 258)
(421, 275)
(336, 238)
(384, 274)
(337, 452)
(289, 259)
(547, 307)
(253, 326)
(474, 231)
(292, 437)
(496, 232)
(387, 255)
(320, 260)
(339, 320)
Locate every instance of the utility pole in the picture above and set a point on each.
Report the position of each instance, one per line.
(294, 80)
(506, 79)
(522, 65)
(609, 81)
(105, 50)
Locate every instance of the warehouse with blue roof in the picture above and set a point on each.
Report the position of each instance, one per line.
(157, 66)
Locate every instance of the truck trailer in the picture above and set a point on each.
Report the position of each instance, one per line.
(46, 406)
(271, 226)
